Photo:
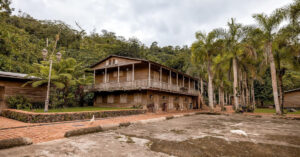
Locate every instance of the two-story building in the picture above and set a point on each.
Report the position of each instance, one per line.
(127, 82)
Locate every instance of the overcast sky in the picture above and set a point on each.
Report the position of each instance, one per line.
(169, 22)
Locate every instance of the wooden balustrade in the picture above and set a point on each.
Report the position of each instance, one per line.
(141, 84)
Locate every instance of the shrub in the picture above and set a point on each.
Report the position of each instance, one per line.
(18, 102)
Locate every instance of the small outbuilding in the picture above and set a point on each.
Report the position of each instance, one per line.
(11, 85)
(292, 98)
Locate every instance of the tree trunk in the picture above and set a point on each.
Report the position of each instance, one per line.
(281, 92)
(247, 90)
(274, 78)
(225, 98)
(202, 92)
(235, 84)
(280, 84)
(219, 91)
(201, 84)
(222, 96)
(253, 94)
(210, 88)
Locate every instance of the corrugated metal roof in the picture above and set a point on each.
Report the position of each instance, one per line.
(15, 75)
(292, 90)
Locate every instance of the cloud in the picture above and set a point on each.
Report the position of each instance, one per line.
(169, 22)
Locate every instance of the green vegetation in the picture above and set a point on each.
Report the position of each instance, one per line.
(18, 102)
(253, 63)
(248, 63)
(268, 110)
(77, 109)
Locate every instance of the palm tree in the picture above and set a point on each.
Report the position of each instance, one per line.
(203, 50)
(232, 36)
(268, 25)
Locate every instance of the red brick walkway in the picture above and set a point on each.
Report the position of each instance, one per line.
(42, 132)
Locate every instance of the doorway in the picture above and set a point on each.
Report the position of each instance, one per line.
(164, 107)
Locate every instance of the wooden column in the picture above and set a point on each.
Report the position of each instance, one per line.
(177, 79)
(94, 75)
(118, 74)
(182, 80)
(189, 83)
(170, 77)
(149, 75)
(105, 77)
(160, 76)
(132, 72)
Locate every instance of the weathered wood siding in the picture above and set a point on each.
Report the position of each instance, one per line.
(292, 99)
(13, 87)
(161, 101)
(116, 61)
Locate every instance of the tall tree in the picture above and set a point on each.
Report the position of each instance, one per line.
(204, 50)
(268, 25)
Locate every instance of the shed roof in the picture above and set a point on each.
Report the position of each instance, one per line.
(15, 75)
(292, 90)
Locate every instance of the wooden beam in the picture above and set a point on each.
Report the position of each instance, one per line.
(118, 74)
(160, 76)
(94, 74)
(177, 79)
(149, 74)
(105, 77)
(189, 83)
(132, 72)
(182, 80)
(170, 77)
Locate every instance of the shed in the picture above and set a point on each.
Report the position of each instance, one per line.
(11, 85)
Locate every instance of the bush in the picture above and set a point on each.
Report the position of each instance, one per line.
(18, 102)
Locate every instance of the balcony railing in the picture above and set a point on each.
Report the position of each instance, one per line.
(141, 84)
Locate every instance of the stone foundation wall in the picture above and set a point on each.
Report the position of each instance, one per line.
(31, 117)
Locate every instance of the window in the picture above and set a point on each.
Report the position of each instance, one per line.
(185, 99)
(110, 99)
(99, 99)
(163, 97)
(123, 98)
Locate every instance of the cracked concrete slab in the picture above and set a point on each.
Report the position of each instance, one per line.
(188, 136)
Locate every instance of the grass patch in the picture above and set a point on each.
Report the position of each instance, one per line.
(268, 110)
(77, 109)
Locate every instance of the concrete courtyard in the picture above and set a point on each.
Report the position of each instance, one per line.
(189, 136)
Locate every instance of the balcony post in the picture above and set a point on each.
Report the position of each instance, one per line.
(94, 76)
(170, 82)
(189, 83)
(105, 77)
(118, 74)
(132, 72)
(160, 77)
(149, 77)
(182, 80)
(177, 79)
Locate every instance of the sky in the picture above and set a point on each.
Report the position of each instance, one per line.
(168, 22)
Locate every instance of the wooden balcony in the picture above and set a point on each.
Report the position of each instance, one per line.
(141, 84)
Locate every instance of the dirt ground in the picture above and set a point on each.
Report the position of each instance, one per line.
(191, 136)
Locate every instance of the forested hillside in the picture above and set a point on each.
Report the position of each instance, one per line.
(22, 39)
